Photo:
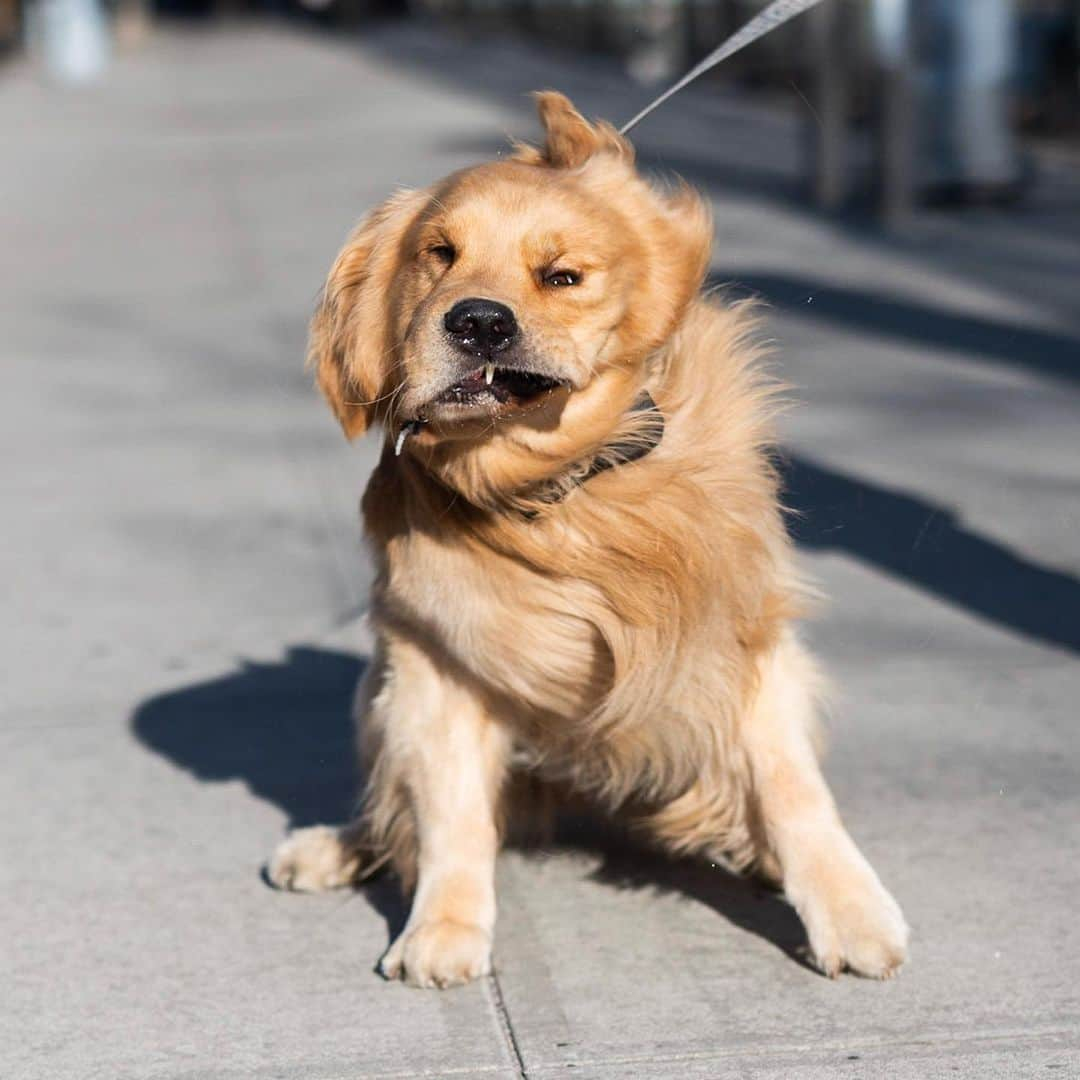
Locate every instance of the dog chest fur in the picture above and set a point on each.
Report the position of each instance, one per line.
(521, 638)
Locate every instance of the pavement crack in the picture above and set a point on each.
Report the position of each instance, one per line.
(506, 1024)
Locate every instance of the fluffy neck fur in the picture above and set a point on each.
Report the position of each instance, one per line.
(651, 535)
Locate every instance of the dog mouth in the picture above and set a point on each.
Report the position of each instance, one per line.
(493, 386)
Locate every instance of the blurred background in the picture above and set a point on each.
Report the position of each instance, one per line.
(183, 584)
(912, 100)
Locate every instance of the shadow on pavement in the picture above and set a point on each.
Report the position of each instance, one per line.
(745, 902)
(284, 729)
(1042, 351)
(927, 546)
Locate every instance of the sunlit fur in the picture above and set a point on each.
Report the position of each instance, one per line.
(631, 643)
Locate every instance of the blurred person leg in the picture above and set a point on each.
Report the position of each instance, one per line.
(967, 49)
(892, 36)
(1048, 65)
(72, 39)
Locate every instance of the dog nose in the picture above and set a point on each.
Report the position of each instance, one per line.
(481, 325)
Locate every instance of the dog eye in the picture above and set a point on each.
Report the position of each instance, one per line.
(445, 253)
(562, 278)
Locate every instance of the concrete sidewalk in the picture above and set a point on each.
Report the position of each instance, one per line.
(183, 588)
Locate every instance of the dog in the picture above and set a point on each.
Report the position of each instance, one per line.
(584, 578)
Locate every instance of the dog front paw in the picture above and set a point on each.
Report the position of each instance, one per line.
(439, 954)
(313, 860)
(854, 924)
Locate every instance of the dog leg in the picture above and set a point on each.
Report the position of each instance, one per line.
(444, 750)
(320, 858)
(850, 919)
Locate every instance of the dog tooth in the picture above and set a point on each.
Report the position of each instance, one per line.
(489, 373)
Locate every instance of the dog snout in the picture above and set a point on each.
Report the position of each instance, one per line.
(481, 325)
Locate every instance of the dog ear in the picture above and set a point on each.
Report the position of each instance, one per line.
(675, 231)
(351, 340)
(680, 260)
(570, 139)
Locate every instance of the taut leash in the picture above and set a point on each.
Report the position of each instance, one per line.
(776, 14)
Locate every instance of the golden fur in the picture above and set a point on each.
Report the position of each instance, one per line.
(630, 641)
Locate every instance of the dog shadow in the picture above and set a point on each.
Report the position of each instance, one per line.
(625, 862)
(930, 548)
(285, 730)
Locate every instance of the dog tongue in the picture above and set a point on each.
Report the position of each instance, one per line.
(473, 382)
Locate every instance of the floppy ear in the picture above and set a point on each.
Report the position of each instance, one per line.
(681, 251)
(352, 338)
(570, 139)
(674, 229)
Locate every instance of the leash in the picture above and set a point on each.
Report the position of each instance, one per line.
(776, 14)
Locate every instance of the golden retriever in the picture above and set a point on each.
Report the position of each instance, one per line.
(583, 571)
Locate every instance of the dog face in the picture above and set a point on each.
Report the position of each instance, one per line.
(499, 296)
(512, 289)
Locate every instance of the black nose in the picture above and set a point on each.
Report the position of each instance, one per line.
(481, 325)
